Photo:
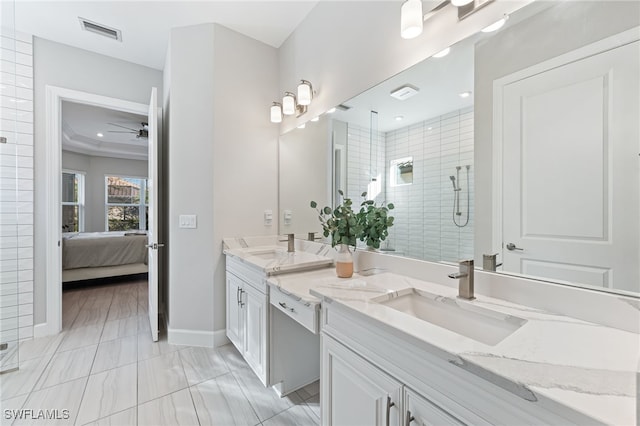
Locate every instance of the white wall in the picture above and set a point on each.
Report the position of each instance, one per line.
(557, 30)
(96, 168)
(346, 47)
(68, 67)
(222, 165)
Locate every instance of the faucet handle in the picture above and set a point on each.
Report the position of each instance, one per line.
(311, 236)
(289, 237)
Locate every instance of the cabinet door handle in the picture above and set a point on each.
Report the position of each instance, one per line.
(241, 302)
(409, 418)
(238, 295)
(284, 305)
(389, 405)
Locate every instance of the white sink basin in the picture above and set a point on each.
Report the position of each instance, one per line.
(266, 253)
(477, 323)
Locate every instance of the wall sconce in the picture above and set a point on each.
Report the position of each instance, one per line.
(291, 104)
(305, 93)
(276, 112)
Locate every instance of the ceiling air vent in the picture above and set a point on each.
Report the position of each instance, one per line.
(343, 107)
(404, 92)
(100, 29)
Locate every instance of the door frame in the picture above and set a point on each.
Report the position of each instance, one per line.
(609, 43)
(53, 169)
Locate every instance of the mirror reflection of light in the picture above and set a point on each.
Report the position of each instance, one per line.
(331, 110)
(374, 188)
(442, 53)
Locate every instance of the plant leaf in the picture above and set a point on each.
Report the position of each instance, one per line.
(314, 204)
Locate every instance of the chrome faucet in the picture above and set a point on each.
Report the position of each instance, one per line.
(290, 242)
(489, 262)
(465, 277)
(311, 236)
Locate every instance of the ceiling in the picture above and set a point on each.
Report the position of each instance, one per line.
(146, 24)
(82, 123)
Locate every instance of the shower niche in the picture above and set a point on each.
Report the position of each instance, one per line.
(401, 171)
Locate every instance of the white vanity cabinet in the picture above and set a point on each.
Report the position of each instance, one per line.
(419, 411)
(247, 316)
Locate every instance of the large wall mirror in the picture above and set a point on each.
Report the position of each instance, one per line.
(523, 142)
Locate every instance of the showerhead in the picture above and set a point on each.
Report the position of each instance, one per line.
(453, 181)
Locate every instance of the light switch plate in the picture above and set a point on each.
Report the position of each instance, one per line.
(288, 217)
(188, 221)
(268, 217)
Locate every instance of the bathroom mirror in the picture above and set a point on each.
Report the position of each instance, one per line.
(523, 143)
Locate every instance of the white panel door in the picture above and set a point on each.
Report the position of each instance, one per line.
(570, 171)
(152, 185)
(356, 393)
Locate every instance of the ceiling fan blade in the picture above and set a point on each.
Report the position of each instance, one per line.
(124, 127)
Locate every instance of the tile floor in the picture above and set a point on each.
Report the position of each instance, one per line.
(105, 370)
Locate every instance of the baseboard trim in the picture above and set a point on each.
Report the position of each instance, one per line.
(190, 337)
(220, 338)
(41, 330)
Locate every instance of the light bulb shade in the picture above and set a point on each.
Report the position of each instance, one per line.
(458, 3)
(289, 104)
(496, 25)
(305, 93)
(276, 112)
(411, 19)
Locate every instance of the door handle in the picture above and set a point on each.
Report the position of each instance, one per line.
(512, 247)
(155, 246)
(389, 405)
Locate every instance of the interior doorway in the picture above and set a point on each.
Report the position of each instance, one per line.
(57, 98)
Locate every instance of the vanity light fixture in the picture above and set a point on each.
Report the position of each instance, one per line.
(496, 25)
(411, 19)
(442, 53)
(99, 135)
(305, 93)
(464, 94)
(276, 112)
(331, 110)
(289, 103)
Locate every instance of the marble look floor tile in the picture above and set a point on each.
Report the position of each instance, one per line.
(115, 353)
(310, 390)
(232, 357)
(122, 309)
(119, 328)
(99, 303)
(90, 317)
(69, 315)
(221, 402)
(295, 416)
(23, 380)
(127, 417)
(202, 364)
(174, 409)
(67, 366)
(11, 405)
(42, 346)
(264, 401)
(108, 392)
(79, 337)
(314, 405)
(147, 348)
(143, 324)
(160, 376)
(66, 396)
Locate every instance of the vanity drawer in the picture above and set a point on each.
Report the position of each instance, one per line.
(305, 315)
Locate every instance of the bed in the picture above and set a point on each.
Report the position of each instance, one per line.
(91, 255)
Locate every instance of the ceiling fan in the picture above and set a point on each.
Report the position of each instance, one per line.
(142, 133)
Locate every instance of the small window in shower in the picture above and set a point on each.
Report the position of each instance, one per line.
(401, 171)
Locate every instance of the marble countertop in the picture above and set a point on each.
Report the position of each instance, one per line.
(584, 366)
(270, 255)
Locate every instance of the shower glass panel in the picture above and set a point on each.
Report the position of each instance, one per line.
(9, 304)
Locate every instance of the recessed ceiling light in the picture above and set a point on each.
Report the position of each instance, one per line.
(331, 111)
(496, 25)
(399, 117)
(442, 53)
(314, 119)
(464, 94)
(404, 92)
(430, 128)
(99, 135)
(302, 126)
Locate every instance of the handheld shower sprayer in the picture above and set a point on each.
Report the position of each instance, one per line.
(453, 181)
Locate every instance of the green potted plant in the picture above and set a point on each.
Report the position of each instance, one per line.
(344, 228)
(374, 221)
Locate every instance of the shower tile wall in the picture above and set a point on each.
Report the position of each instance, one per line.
(359, 155)
(424, 226)
(16, 177)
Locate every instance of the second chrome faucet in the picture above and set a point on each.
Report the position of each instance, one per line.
(465, 277)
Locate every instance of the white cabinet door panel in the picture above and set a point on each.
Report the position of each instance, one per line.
(234, 313)
(255, 306)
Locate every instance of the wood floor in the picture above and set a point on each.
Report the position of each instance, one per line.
(105, 370)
